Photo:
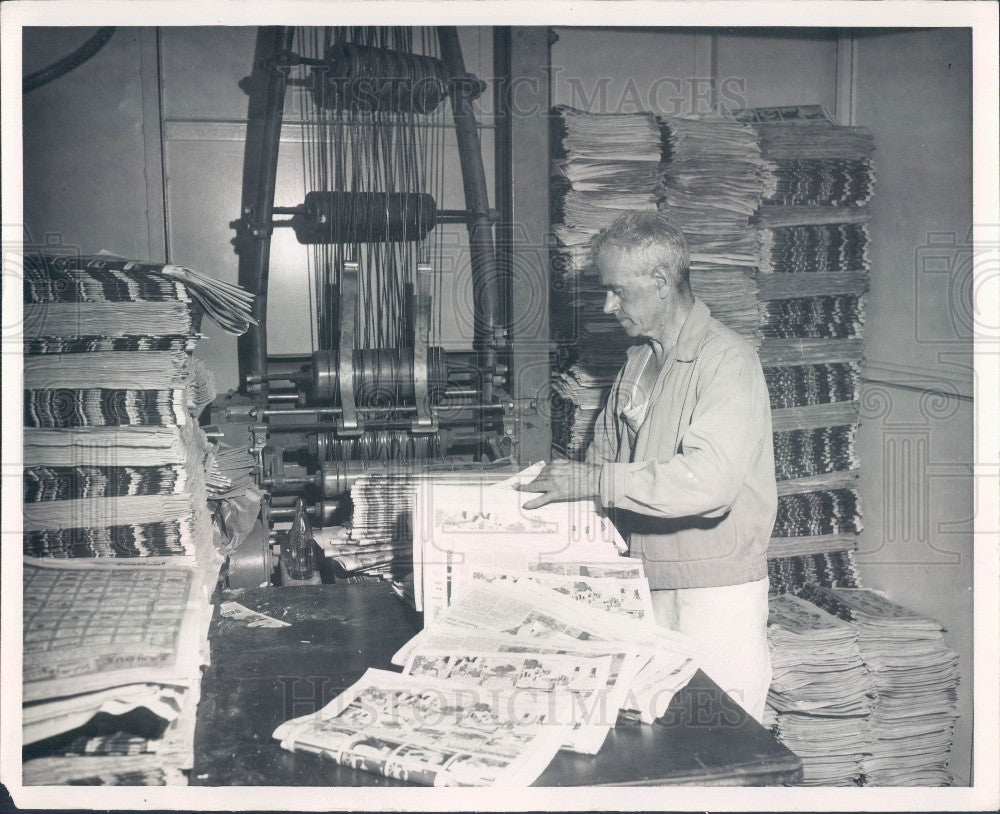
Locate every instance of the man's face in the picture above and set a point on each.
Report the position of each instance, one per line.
(633, 296)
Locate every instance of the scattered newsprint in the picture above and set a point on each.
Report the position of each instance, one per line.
(538, 634)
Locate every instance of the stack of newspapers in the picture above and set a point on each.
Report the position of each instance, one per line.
(712, 184)
(119, 561)
(378, 541)
(915, 676)
(821, 692)
(813, 164)
(813, 269)
(602, 165)
(537, 635)
(112, 648)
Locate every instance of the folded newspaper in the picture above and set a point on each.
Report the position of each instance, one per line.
(458, 526)
(584, 682)
(536, 614)
(430, 733)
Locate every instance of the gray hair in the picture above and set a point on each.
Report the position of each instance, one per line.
(653, 232)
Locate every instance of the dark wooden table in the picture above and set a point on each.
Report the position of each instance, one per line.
(260, 677)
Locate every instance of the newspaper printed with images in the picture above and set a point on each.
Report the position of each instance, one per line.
(531, 612)
(455, 525)
(608, 587)
(90, 625)
(430, 733)
(587, 681)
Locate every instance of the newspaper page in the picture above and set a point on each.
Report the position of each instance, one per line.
(531, 612)
(626, 594)
(455, 524)
(94, 624)
(586, 682)
(430, 733)
(46, 719)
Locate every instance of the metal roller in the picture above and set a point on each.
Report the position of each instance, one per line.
(366, 78)
(251, 564)
(331, 479)
(362, 217)
(377, 445)
(381, 377)
(320, 512)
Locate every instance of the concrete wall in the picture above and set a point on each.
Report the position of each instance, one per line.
(914, 93)
(686, 70)
(84, 145)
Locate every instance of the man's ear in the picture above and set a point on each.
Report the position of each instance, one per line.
(663, 281)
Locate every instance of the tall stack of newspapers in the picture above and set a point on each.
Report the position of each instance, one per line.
(915, 678)
(602, 165)
(712, 183)
(119, 561)
(864, 690)
(821, 694)
(813, 273)
(537, 635)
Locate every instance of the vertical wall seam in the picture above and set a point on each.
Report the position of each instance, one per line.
(846, 79)
(152, 137)
(163, 147)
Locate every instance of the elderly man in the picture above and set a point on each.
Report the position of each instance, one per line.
(683, 451)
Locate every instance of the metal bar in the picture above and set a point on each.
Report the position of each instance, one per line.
(424, 422)
(847, 80)
(152, 136)
(378, 409)
(260, 168)
(348, 423)
(528, 56)
(502, 170)
(376, 424)
(486, 293)
(452, 216)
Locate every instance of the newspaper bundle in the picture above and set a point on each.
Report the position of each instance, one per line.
(119, 560)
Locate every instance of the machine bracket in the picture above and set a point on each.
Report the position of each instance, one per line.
(348, 424)
(424, 421)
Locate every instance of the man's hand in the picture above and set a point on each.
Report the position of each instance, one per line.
(563, 480)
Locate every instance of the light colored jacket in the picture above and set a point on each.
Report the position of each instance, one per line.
(693, 482)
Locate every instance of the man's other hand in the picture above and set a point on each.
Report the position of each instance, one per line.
(563, 480)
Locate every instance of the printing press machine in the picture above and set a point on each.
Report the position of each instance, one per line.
(377, 393)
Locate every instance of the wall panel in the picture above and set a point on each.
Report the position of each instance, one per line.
(84, 162)
(789, 67)
(914, 93)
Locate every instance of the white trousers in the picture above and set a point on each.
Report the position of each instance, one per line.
(728, 625)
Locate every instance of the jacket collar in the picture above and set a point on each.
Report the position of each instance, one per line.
(692, 332)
